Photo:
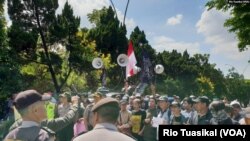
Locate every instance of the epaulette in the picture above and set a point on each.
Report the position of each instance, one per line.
(49, 131)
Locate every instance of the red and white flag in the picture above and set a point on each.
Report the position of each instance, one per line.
(131, 61)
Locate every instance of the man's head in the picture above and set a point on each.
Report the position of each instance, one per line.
(106, 111)
(136, 104)
(202, 103)
(236, 107)
(175, 108)
(97, 96)
(163, 102)
(31, 106)
(65, 97)
(187, 103)
(152, 103)
(123, 105)
(217, 108)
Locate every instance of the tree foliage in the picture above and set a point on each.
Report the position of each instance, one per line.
(238, 22)
(39, 36)
(110, 38)
(108, 33)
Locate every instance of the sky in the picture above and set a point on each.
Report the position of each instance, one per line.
(176, 24)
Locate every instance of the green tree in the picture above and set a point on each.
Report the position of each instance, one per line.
(110, 38)
(108, 33)
(8, 66)
(237, 87)
(140, 43)
(39, 36)
(238, 22)
(10, 78)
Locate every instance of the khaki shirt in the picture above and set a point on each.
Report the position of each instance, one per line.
(124, 117)
(104, 132)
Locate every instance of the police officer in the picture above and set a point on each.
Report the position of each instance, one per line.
(57, 123)
(106, 112)
(31, 106)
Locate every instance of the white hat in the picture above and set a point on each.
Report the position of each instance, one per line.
(235, 102)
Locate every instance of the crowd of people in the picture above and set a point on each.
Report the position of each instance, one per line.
(121, 117)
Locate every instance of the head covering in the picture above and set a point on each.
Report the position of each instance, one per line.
(97, 94)
(123, 101)
(28, 97)
(235, 103)
(175, 103)
(103, 90)
(138, 95)
(104, 101)
(65, 94)
(202, 99)
(217, 106)
(163, 98)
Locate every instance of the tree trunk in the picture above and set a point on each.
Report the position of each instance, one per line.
(52, 72)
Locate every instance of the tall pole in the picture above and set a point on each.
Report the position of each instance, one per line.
(113, 7)
(125, 13)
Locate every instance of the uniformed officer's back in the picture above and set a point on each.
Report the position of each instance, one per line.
(106, 112)
(34, 133)
(30, 104)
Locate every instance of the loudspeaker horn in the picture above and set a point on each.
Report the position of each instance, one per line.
(159, 69)
(122, 60)
(97, 63)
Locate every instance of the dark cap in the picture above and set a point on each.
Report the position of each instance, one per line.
(202, 99)
(163, 98)
(28, 97)
(105, 101)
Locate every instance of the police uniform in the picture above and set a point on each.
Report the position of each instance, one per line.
(30, 130)
(54, 124)
(104, 131)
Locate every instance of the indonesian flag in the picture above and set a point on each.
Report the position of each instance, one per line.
(131, 60)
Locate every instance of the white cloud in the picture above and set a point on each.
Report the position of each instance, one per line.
(162, 43)
(223, 43)
(175, 19)
(83, 7)
(9, 22)
(130, 23)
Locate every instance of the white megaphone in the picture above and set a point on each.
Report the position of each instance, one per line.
(122, 60)
(97, 63)
(136, 69)
(159, 69)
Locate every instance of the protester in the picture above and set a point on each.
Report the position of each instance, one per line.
(88, 114)
(124, 119)
(220, 116)
(137, 120)
(177, 118)
(204, 115)
(149, 133)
